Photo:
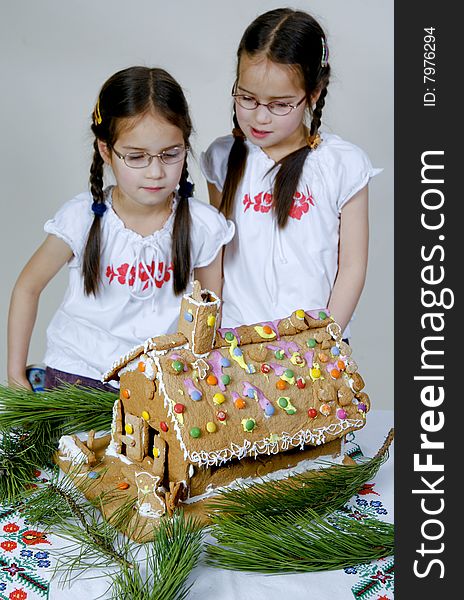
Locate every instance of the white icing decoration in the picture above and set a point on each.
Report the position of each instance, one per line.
(70, 451)
(111, 451)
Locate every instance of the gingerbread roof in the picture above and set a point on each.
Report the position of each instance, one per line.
(263, 388)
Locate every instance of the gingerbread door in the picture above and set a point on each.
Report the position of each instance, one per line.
(136, 437)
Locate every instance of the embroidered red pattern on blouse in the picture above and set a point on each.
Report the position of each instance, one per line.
(262, 203)
(121, 275)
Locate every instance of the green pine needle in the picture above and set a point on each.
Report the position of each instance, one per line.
(300, 542)
(323, 491)
(22, 451)
(76, 408)
(170, 559)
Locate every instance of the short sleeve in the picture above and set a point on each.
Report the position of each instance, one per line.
(72, 223)
(210, 231)
(213, 162)
(346, 169)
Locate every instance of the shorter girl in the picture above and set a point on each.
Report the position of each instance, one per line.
(131, 248)
(298, 197)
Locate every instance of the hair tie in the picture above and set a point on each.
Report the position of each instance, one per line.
(313, 141)
(325, 53)
(186, 189)
(238, 133)
(97, 118)
(99, 208)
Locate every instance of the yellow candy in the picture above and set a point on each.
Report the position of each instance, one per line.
(156, 452)
(211, 427)
(145, 415)
(219, 398)
(211, 320)
(315, 373)
(300, 314)
(129, 429)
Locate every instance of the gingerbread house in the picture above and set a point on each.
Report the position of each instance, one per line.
(205, 407)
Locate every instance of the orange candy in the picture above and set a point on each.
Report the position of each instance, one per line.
(281, 384)
(125, 393)
(240, 403)
(141, 366)
(267, 330)
(335, 373)
(341, 365)
(211, 380)
(123, 485)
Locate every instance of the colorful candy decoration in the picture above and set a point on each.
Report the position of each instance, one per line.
(265, 368)
(219, 398)
(335, 351)
(312, 413)
(93, 475)
(195, 432)
(192, 391)
(221, 415)
(325, 409)
(156, 452)
(178, 366)
(248, 424)
(211, 321)
(141, 366)
(289, 376)
(335, 373)
(300, 383)
(128, 429)
(211, 427)
(125, 393)
(179, 408)
(265, 332)
(164, 426)
(285, 404)
(341, 413)
(225, 379)
(123, 485)
(311, 343)
(362, 408)
(254, 392)
(300, 314)
(211, 380)
(297, 360)
(315, 372)
(145, 415)
(240, 403)
(281, 385)
(188, 316)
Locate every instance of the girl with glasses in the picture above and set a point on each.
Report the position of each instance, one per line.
(298, 196)
(131, 248)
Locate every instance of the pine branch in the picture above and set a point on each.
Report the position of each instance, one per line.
(323, 490)
(22, 451)
(170, 559)
(305, 542)
(75, 408)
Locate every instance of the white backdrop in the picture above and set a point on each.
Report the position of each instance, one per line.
(54, 57)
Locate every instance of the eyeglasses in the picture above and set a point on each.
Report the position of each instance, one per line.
(140, 160)
(275, 107)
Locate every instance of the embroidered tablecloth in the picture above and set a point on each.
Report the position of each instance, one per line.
(28, 554)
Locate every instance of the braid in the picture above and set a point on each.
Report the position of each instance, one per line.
(181, 235)
(235, 169)
(317, 112)
(91, 260)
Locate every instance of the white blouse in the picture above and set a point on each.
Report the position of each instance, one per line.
(136, 298)
(270, 272)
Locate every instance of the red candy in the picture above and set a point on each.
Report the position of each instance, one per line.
(265, 368)
(179, 408)
(164, 426)
(221, 415)
(312, 413)
(300, 383)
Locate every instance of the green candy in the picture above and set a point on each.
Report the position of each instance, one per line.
(289, 373)
(279, 354)
(195, 432)
(250, 425)
(225, 379)
(178, 366)
(322, 315)
(229, 336)
(282, 402)
(311, 343)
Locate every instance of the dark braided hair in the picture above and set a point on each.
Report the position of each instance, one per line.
(134, 92)
(294, 38)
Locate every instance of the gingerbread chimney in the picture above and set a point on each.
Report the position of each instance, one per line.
(197, 321)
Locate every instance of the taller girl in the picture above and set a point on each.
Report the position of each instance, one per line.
(131, 248)
(298, 197)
